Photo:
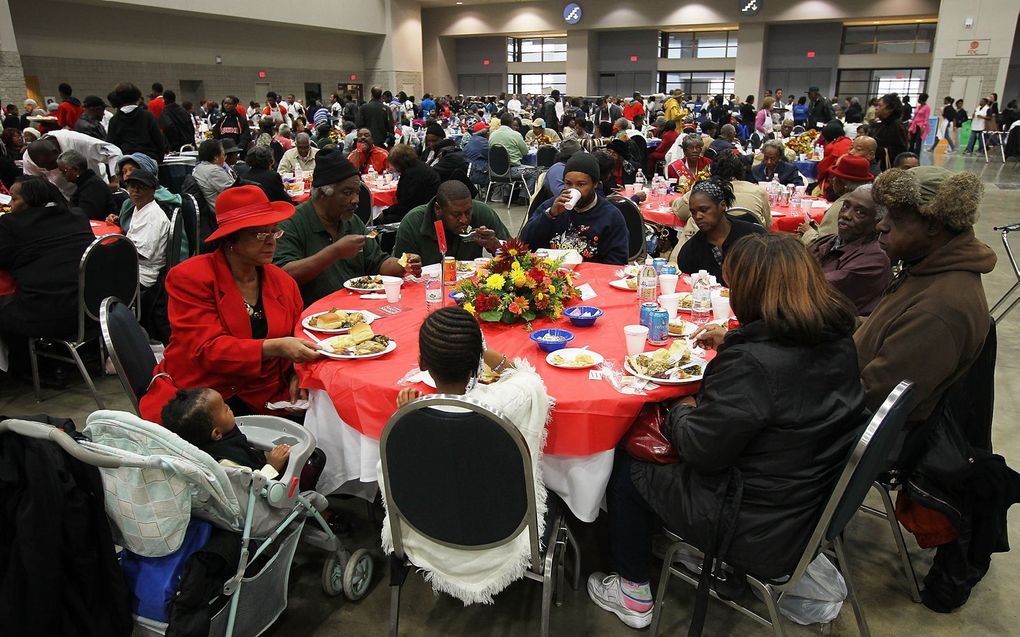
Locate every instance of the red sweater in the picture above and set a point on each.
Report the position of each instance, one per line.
(68, 114)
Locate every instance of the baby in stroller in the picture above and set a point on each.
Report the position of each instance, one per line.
(204, 419)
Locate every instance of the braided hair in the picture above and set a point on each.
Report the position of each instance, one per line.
(186, 415)
(450, 345)
(718, 190)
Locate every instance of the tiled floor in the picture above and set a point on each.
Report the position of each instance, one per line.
(992, 609)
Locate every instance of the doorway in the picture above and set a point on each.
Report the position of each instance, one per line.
(261, 88)
(313, 91)
(192, 91)
(354, 90)
(32, 89)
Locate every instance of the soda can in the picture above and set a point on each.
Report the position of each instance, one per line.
(450, 269)
(668, 269)
(658, 328)
(646, 314)
(658, 264)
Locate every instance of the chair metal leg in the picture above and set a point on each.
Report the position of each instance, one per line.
(768, 595)
(901, 545)
(488, 191)
(844, 568)
(34, 359)
(560, 559)
(86, 376)
(547, 589)
(576, 583)
(510, 197)
(660, 595)
(984, 145)
(394, 609)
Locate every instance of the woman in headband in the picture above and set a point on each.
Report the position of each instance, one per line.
(706, 250)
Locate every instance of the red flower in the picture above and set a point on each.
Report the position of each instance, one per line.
(537, 274)
(486, 302)
(514, 308)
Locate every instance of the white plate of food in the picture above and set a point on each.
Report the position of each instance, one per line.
(487, 378)
(360, 343)
(686, 301)
(680, 328)
(632, 270)
(674, 365)
(629, 285)
(336, 321)
(574, 358)
(373, 283)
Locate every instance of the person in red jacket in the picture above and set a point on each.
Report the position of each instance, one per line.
(836, 145)
(70, 108)
(156, 102)
(232, 314)
(667, 137)
(634, 108)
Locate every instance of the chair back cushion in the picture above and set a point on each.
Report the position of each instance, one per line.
(109, 267)
(499, 161)
(457, 477)
(128, 345)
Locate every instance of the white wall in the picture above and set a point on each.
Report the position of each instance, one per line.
(993, 20)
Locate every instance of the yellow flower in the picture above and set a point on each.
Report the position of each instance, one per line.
(552, 289)
(557, 312)
(495, 282)
(516, 265)
(539, 296)
(548, 262)
(518, 277)
(469, 307)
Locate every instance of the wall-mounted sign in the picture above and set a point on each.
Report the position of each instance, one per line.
(750, 7)
(572, 13)
(972, 47)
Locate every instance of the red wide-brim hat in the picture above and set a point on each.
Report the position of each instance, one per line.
(246, 207)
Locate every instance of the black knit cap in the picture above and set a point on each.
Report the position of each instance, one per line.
(332, 167)
(435, 129)
(583, 163)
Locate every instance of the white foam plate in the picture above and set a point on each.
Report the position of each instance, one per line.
(389, 348)
(307, 322)
(570, 353)
(621, 284)
(666, 381)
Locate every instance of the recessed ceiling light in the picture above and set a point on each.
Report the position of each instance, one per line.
(460, 3)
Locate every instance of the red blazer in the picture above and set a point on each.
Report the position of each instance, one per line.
(833, 151)
(211, 343)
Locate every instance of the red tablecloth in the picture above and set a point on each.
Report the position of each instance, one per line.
(381, 197)
(100, 228)
(784, 218)
(589, 417)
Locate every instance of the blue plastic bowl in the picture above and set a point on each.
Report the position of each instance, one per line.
(577, 314)
(552, 345)
(458, 297)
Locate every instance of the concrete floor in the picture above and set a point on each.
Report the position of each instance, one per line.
(990, 611)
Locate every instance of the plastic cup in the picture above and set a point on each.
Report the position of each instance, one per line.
(392, 289)
(635, 336)
(670, 303)
(720, 307)
(575, 196)
(667, 283)
(805, 207)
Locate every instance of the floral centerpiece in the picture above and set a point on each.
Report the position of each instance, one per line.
(684, 183)
(518, 285)
(804, 143)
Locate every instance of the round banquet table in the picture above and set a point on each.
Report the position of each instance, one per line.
(784, 218)
(382, 197)
(808, 168)
(351, 400)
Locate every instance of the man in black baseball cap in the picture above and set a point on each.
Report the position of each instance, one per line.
(91, 120)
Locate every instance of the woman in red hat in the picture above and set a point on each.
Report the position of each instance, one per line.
(232, 314)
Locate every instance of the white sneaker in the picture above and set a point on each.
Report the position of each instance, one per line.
(605, 591)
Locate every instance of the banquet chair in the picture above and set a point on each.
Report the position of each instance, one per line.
(868, 457)
(189, 210)
(799, 130)
(364, 210)
(1000, 137)
(426, 455)
(178, 240)
(546, 156)
(501, 174)
(635, 226)
(129, 349)
(744, 214)
(638, 150)
(542, 192)
(109, 267)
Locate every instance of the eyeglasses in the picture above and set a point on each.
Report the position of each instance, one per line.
(262, 236)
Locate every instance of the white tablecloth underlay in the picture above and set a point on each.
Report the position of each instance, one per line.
(352, 456)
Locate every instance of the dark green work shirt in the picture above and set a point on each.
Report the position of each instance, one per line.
(304, 236)
(417, 234)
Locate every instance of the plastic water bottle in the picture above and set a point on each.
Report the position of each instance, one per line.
(639, 181)
(701, 305)
(372, 174)
(648, 282)
(433, 293)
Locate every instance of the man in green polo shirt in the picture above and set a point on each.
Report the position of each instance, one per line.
(324, 243)
(458, 211)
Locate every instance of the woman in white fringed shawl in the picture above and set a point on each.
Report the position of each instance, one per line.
(452, 350)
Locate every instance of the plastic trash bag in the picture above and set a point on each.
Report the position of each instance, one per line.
(817, 597)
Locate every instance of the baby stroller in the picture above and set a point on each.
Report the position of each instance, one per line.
(155, 482)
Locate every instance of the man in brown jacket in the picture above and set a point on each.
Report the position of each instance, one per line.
(930, 325)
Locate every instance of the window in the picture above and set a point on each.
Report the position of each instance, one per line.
(538, 83)
(696, 83)
(536, 49)
(686, 45)
(865, 84)
(889, 38)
